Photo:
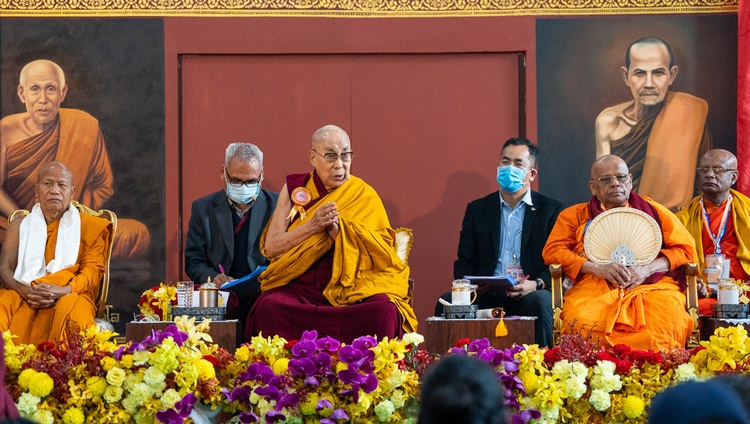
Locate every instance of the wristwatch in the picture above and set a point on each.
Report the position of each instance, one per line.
(539, 284)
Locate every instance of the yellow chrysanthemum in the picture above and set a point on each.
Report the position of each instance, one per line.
(73, 416)
(633, 406)
(41, 385)
(26, 376)
(530, 380)
(97, 385)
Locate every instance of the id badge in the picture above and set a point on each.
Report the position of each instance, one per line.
(714, 269)
(516, 271)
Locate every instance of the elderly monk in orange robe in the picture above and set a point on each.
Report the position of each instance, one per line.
(651, 313)
(46, 133)
(719, 219)
(52, 263)
(333, 265)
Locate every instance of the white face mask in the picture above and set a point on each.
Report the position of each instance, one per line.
(243, 194)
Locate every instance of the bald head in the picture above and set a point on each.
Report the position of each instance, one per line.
(54, 190)
(43, 65)
(716, 174)
(331, 155)
(610, 181)
(42, 89)
(329, 132)
(57, 168)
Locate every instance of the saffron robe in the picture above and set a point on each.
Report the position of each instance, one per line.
(76, 141)
(361, 268)
(73, 311)
(735, 243)
(650, 316)
(661, 149)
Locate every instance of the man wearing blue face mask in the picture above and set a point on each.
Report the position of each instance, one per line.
(223, 240)
(504, 233)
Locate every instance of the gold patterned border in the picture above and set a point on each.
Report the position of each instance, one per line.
(356, 8)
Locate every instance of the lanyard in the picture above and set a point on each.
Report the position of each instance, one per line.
(722, 225)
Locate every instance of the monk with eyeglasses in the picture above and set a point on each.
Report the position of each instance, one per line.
(333, 265)
(642, 306)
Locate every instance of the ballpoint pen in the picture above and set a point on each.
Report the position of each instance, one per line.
(221, 268)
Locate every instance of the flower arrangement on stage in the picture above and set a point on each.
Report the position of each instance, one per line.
(175, 374)
(155, 301)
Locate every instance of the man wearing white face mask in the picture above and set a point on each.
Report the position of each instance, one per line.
(504, 233)
(225, 227)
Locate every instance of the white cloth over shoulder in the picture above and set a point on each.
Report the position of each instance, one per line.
(32, 240)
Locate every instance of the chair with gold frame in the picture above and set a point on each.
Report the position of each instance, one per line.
(101, 295)
(691, 271)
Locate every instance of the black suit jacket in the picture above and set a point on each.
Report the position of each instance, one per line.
(480, 236)
(210, 238)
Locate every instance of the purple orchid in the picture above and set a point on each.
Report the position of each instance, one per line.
(182, 410)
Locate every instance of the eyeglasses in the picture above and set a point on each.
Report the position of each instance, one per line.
(704, 170)
(236, 182)
(333, 157)
(607, 179)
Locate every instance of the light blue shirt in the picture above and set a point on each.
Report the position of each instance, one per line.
(511, 228)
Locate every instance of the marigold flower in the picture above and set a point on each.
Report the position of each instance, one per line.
(41, 385)
(633, 406)
(97, 385)
(26, 376)
(73, 416)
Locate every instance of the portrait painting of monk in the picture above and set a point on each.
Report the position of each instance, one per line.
(656, 91)
(90, 93)
(659, 133)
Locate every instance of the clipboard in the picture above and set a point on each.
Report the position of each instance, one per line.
(230, 284)
(496, 283)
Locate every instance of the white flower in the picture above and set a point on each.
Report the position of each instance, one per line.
(685, 372)
(413, 338)
(600, 400)
(574, 388)
(153, 376)
(384, 410)
(42, 416)
(28, 403)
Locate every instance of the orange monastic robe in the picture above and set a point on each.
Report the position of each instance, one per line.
(735, 243)
(650, 316)
(51, 324)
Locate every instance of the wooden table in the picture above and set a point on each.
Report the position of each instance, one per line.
(443, 333)
(710, 324)
(224, 333)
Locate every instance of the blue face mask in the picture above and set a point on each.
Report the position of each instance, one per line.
(243, 194)
(510, 178)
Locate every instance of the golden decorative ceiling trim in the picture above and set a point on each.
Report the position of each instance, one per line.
(355, 8)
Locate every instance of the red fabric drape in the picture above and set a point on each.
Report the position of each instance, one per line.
(743, 96)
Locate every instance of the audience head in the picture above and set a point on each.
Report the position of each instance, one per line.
(649, 70)
(42, 89)
(515, 169)
(331, 155)
(461, 389)
(610, 181)
(242, 172)
(716, 173)
(54, 190)
(697, 403)
(740, 383)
